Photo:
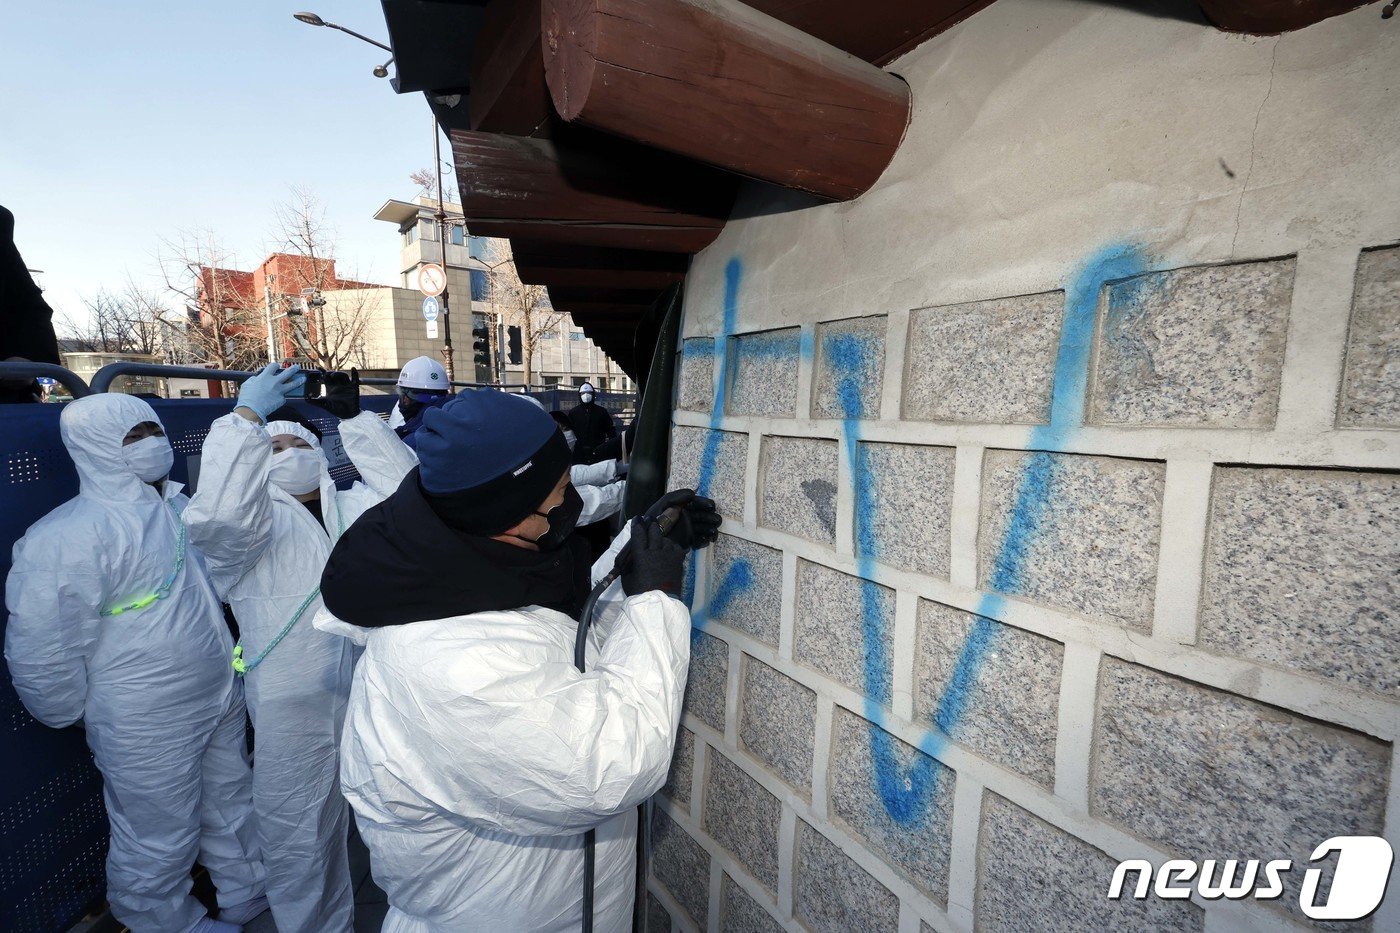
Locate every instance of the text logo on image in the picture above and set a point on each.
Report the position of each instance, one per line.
(1358, 885)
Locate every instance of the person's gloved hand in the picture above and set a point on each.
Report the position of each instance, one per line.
(656, 562)
(265, 392)
(342, 397)
(699, 521)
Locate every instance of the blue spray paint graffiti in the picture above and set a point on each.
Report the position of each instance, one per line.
(733, 273)
(906, 791)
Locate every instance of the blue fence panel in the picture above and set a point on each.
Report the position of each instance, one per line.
(53, 825)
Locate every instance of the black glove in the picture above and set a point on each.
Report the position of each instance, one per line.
(342, 394)
(655, 561)
(699, 521)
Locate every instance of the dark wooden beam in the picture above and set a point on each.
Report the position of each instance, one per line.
(1267, 17)
(508, 93)
(551, 264)
(590, 190)
(722, 83)
(609, 297)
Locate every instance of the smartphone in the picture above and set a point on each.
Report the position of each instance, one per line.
(314, 386)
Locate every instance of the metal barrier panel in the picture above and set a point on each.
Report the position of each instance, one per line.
(53, 825)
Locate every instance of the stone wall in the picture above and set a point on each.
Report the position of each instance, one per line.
(1061, 476)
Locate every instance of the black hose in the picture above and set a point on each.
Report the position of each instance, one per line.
(667, 519)
(590, 840)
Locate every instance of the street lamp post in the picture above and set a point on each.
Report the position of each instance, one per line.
(311, 19)
(442, 241)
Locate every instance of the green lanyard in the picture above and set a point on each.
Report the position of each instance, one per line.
(242, 667)
(163, 590)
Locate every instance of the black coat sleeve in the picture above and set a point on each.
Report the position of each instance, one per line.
(26, 321)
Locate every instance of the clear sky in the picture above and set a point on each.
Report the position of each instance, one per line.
(124, 123)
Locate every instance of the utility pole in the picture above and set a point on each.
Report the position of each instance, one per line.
(442, 241)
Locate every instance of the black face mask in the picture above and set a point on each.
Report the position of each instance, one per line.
(563, 518)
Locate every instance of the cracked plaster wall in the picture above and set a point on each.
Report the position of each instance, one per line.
(1061, 474)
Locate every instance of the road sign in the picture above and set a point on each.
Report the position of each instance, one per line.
(432, 329)
(431, 309)
(432, 280)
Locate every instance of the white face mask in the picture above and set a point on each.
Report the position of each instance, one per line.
(571, 438)
(297, 470)
(586, 397)
(149, 458)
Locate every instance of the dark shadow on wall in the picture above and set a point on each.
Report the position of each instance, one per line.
(1186, 11)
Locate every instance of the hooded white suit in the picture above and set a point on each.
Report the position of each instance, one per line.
(152, 685)
(476, 756)
(265, 552)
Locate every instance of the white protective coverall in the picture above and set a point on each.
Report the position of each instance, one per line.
(163, 713)
(601, 496)
(265, 553)
(476, 756)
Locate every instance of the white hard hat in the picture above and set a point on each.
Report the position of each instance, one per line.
(586, 387)
(424, 372)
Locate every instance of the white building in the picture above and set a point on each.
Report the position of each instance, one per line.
(480, 277)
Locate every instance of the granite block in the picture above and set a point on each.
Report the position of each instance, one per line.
(1207, 774)
(904, 504)
(707, 684)
(797, 487)
(850, 370)
(713, 464)
(1076, 532)
(895, 797)
(1197, 347)
(677, 786)
(832, 894)
(743, 818)
(842, 628)
(658, 921)
(762, 372)
(740, 913)
(964, 666)
(697, 375)
(746, 587)
(1033, 876)
(1303, 572)
(682, 865)
(984, 362)
(1371, 384)
(778, 722)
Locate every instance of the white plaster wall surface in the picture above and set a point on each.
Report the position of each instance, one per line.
(1062, 146)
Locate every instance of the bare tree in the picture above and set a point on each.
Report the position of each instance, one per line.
(133, 320)
(427, 182)
(327, 315)
(524, 306)
(223, 324)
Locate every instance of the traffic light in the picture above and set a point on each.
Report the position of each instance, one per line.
(513, 346)
(481, 344)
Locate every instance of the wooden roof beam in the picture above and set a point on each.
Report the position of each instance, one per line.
(507, 72)
(582, 266)
(719, 82)
(588, 190)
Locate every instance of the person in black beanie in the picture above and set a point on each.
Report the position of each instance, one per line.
(475, 755)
